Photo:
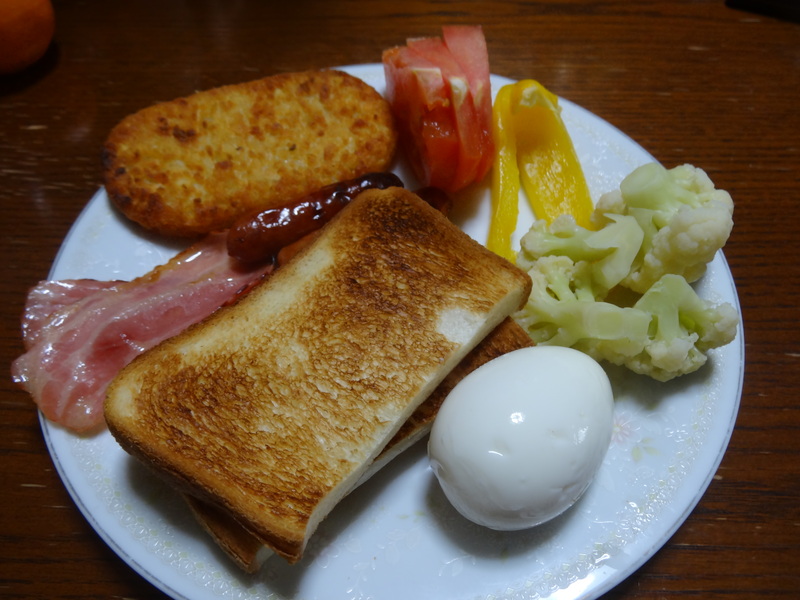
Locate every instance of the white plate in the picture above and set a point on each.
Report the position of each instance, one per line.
(397, 537)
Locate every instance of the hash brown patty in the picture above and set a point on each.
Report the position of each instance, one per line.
(193, 165)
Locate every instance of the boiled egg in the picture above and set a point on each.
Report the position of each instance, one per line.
(519, 440)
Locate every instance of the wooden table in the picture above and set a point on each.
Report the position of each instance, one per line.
(691, 81)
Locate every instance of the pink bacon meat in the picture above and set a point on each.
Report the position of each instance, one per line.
(78, 334)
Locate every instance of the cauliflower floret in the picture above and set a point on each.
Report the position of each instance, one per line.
(683, 328)
(666, 333)
(563, 311)
(685, 220)
(609, 252)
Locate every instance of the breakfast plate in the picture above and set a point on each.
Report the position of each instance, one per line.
(397, 536)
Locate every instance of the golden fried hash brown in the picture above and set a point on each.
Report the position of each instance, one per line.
(192, 165)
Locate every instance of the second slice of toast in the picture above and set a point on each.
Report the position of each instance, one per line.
(274, 407)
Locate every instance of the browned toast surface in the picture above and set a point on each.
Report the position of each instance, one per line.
(192, 165)
(274, 407)
(246, 550)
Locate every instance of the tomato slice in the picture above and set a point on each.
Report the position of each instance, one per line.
(469, 136)
(420, 100)
(467, 44)
(442, 104)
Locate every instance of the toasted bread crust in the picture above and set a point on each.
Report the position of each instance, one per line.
(192, 165)
(238, 543)
(274, 407)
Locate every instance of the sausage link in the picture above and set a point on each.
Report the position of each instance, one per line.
(258, 237)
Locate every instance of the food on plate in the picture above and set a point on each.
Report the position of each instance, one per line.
(532, 145)
(79, 333)
(276, 405)
(433, 196)
(621, 293)
(440, 93)
(665, 333)
(683, 328)
(258, 237)
(241, 546)
(245, 548)
(26, 30)
(685, 220)
(519, 440)
(608, 253)
(437, 198)
(193, 165)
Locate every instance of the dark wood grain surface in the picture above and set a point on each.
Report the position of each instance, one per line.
(691, 81)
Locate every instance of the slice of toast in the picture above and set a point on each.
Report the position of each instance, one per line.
(275, 406)
(249, 553)
(192, 165)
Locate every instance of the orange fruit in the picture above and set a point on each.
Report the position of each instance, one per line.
(26, 30)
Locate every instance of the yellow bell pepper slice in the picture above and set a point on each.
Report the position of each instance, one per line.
(505, 178)
(551, 173)
(532, 144)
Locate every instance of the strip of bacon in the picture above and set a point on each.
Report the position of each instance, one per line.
(78, 334)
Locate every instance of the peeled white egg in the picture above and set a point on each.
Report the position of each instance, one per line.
(519, 439)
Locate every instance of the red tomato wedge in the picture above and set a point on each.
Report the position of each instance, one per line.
(425, 119)
(441, 97)
(468, 45)
(470, 151)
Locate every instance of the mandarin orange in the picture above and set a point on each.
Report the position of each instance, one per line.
(26, 30)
